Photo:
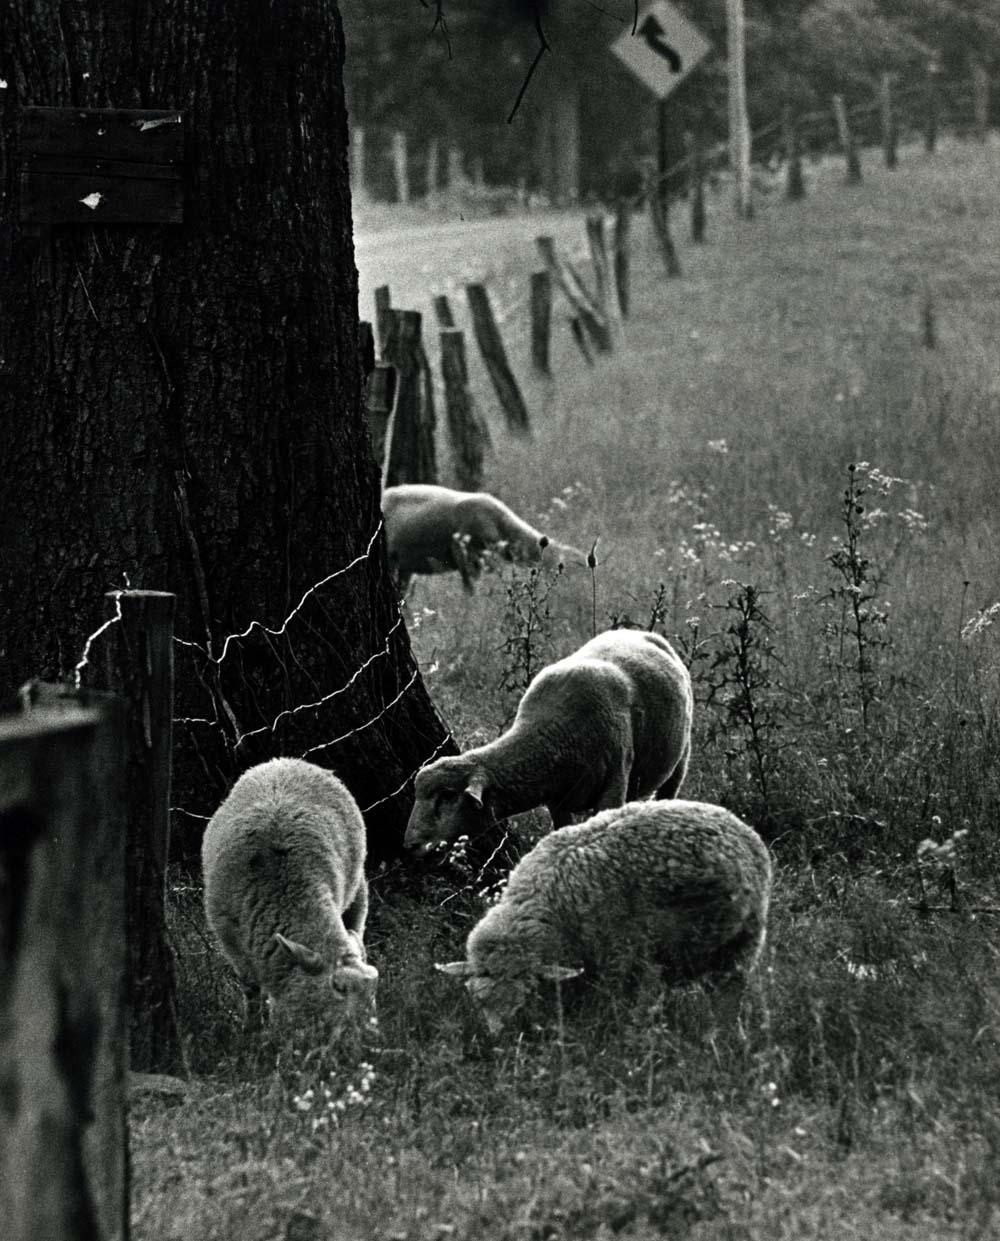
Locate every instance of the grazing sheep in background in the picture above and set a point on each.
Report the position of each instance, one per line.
(681, 885)
(432, 529)
(608, 724)
(285, 893)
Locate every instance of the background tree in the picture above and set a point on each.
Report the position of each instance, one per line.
(181, 405)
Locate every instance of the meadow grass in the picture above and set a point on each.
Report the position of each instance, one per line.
(790, 486)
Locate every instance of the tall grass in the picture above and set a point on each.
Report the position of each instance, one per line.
(802, 497)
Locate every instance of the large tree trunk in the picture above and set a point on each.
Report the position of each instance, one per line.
(181, 405)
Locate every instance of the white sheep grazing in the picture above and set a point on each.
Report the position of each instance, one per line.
(285, 893)
(682, 885)
(432, 529)
(608, 724)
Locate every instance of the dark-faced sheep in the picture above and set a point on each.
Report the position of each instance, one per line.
(432, 529)
(285, 893)
(683, 886)
(608, 724)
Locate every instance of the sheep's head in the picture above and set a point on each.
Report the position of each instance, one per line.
(450, 801)
(322, 992)
(499, 996)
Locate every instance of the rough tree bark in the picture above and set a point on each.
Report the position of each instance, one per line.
(181, 406)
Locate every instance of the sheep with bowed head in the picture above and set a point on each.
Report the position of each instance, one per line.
(431, 529)
(608, 724)
(683, 886)
(286, 897)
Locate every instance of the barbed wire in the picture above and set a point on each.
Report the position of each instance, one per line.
(84, 660)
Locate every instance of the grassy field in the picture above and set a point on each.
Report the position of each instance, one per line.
(786, 482)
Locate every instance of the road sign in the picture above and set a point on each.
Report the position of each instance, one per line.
(663, 50)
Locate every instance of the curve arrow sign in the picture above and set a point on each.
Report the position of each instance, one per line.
(652, 32)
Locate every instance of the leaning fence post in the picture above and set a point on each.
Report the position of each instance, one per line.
(575, 293)
(63, 1106)
(495, 356)
(467, 430)
(623, 221)
(541, 320)
(847, 143)
(140, 665)
(888, 116)
(442, 309)
(576, 327)
(409, 454)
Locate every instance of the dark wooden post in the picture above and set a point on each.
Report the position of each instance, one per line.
(623, 221)
(140, 667)
(541, 320)
(980, 99)
(847, 142)
(63, 1134)
(931, 105)
(795, 188)
(888, 116)
(696, 181)
(576, 294)
(576, 327)
(660, 216)
(495, 356)
(467, 430)
(606, 297)
(442, 309)
(383, 317)
(409, 455)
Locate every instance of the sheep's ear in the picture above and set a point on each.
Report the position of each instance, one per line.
(558, 973)
(476, 788)
(457, 969)
(303, 957)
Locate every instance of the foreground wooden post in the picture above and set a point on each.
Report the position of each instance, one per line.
(63, 1135)
(541, 320)
(607, 298)
(847, 143)
(495, 356)
(980, 99)
(409, 455)
(623, 223)
(575, 293)
(887, 112)
(383, 317)
(795, 188)
(140, 667)
(467, 430)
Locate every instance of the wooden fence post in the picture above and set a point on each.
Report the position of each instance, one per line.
(981, 99)
(495, 356)
(409, 455)
(140, 664)
(432, 191)
(380, 402)
(888, 116)
(63, 1105)
(795, 188)
(541, 320)
(659, 213)
(400, 167)
(383, 317)
(576, 327)
(442, 309)
(847, 143)
(606, 295)
(695, 155)
(467, 430)
(623, 222)
(931, 105)
(576, 294)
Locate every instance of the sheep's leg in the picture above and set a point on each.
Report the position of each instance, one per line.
(253, 1019)
(561, 817)
(615, 792)
(464, 562)
(671, 786)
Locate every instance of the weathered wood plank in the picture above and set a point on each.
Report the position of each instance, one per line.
(151, 136)
(48, 198)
